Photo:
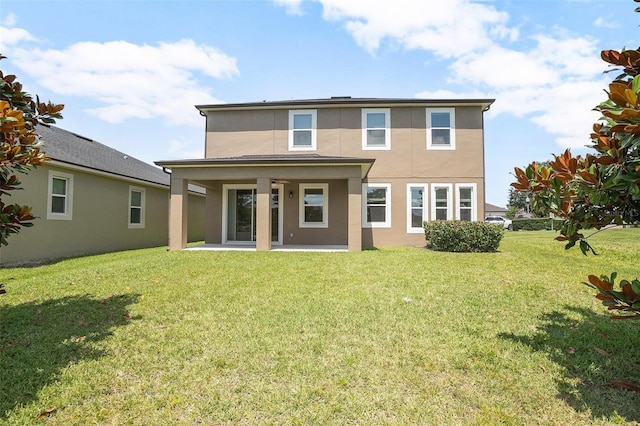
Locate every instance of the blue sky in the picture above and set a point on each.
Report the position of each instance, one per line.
(130, 72)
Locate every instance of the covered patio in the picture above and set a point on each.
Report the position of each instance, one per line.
(268, 185)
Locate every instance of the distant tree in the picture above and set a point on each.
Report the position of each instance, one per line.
(517, 202)
(603, 187)
(19, 148)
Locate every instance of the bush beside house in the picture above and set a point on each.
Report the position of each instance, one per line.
(463, 236)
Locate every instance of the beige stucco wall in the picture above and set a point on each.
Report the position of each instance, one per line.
(99, 218)
(396, 234)
(265, 132)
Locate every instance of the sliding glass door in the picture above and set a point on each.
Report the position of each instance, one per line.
(240, 214)
(241, 217)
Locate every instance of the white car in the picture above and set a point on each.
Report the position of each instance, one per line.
(499, 220)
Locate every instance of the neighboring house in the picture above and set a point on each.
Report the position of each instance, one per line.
(339, 171)
(493, 210)
(90, 199)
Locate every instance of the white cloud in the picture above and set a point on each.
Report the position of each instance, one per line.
(555, 85)
(13, 36)
(293, 6)
(606, 22)
(129, 80)
(445, 27)
(10, 20)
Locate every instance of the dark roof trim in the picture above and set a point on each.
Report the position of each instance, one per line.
(267, 160)
(347, 102)
(271, 161)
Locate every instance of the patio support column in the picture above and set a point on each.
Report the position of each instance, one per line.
(354, 239)
(263, 214)
(178, 213)
(213, 214)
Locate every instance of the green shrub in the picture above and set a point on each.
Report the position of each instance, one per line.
(537, 224)
(463, 236)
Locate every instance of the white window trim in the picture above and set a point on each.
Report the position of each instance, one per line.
(68, 214)
(387, 213)
(325, 205)
(314, 132)
(474, 200)
(452, 114)
(425, 207)
(387, 128)
(143, 200)
(449, 187)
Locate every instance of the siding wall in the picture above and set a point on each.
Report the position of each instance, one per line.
(99, 218)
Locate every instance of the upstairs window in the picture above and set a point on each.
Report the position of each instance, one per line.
(60, 196)
(302, 130)
(376, 132)
(466, 206)
(314, 205)
(441, 128)
(136, 207)
(441, 207)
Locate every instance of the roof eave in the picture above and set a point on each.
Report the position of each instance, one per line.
(364, 163)
(345, 102)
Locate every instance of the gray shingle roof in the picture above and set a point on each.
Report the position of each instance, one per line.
(494, 208)
(67, 147)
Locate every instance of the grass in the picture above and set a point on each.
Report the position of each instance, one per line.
(389, 336)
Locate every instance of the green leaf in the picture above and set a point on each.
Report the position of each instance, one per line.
(636, 84)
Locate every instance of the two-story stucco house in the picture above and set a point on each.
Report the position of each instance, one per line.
(356, 172)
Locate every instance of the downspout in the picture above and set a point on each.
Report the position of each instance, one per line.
(484, 169)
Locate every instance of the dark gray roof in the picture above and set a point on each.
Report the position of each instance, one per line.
(70, 148)
(347, 101)
(268, 160)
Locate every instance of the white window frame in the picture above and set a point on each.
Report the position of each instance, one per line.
(387, 211)
(68, 210)
(449, 188)
(425, 207)
(314, 132)
(143, 199)
(387, 129)
(325, 205)
(474, 198)
(452, 129)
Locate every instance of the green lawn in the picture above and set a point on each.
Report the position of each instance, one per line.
(389, 336)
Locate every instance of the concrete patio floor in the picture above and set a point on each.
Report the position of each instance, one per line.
(288, 247)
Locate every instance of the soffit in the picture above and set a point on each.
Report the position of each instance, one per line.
(263, 165)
